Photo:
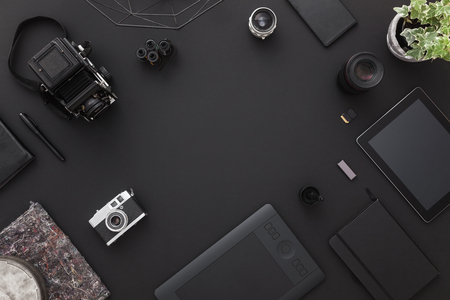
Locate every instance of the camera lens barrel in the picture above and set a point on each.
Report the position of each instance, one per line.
(262, 22)
(362, 72)
(94, 108)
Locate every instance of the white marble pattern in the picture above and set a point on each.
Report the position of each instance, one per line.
(16, 284)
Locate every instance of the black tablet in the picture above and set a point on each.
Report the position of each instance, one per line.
(260, 259)
(411, 146)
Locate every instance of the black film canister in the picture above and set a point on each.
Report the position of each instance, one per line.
(151, 45)
(141, 54)
(154, 58)
(165, 48)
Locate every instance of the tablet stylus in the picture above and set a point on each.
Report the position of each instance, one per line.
(371, 195)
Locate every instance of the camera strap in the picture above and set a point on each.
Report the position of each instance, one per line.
(33, 84)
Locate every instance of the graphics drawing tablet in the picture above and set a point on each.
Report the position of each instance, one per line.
(260, 259)
(410, 144)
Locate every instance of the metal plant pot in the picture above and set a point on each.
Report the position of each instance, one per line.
(393, 44)
(20, 280)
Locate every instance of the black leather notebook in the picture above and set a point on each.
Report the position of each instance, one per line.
(328, 19)
(382, 256)
(13, 155)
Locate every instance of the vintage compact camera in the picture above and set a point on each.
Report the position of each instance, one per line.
(70, 82)
(117, 216)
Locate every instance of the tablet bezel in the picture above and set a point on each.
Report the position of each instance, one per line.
(386, 119)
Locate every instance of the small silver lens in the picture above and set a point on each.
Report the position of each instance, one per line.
(116, 220)
(262, 22)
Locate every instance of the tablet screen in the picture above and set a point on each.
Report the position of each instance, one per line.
(411, 146)
(417, 149)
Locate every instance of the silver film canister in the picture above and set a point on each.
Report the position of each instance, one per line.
(262, 22)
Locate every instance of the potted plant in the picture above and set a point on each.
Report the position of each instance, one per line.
(421, 31)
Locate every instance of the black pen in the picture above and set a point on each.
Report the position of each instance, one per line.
(30, 123)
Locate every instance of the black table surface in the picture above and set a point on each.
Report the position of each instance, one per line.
(230, 124)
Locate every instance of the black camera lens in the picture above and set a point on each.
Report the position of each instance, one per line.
(360, 73)
(94, 108)
(262, 22)
(116, 220)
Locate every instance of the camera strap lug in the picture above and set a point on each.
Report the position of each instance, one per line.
(85, 48)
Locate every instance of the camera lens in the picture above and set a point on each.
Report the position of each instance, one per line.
(262, 22)
(94, 108)
(360, 73)
(116, 220)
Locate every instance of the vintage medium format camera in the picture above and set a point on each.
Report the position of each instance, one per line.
(70, 81)
(117, 216)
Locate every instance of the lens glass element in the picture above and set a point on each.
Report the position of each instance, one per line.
(364, 70)
(262, 20)
(116, 221)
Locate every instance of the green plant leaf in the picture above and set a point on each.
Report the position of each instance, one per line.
(445, 2)
(446, 20)
(429, 54)
(446, 56)
(409, 35)
(417, 3)
(431, 13)
(445, 30)
(433, 21)
(430, 29)
(414, 13)
(442, 10)
(403, 11)
(446, 11)
(417, 52)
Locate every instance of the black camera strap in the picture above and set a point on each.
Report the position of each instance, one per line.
(33, 84)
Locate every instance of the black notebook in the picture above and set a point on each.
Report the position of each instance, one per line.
(382, 256)
(328, 19)
(13, 155)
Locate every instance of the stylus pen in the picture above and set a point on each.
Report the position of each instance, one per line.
(371, 195)
(32, 125)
